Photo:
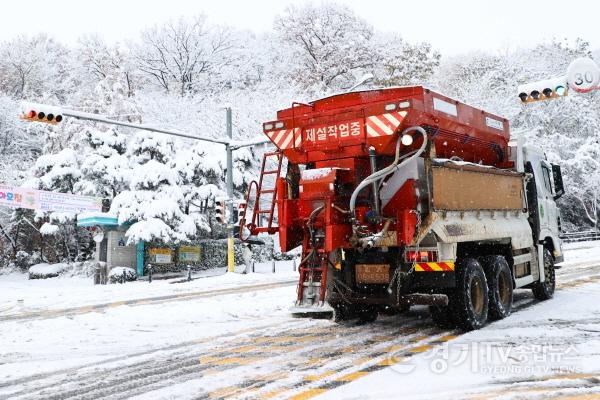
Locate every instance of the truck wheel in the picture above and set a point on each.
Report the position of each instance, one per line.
(545, 291)
(442, 316)
(339, 313)
(470, 299)
(500, 286)
(367, 314)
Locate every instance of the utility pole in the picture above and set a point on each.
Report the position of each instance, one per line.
(230, 221)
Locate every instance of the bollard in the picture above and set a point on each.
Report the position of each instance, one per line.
(149, 273)
(189, 272)
(273, 266)
(294, 265)
(252, 266)
(97, 275)
(124, 275)
(104, 274)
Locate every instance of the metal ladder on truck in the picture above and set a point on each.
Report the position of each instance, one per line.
(263, 187)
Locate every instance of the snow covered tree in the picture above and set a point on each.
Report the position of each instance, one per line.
(106, 167)
(180, 54)
(329, 44)
(400, 63)
(155, 203)
(61, 173)
(100, 61)
(34, 68)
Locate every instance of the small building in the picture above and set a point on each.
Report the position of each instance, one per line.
(111, 242)
(112, 248)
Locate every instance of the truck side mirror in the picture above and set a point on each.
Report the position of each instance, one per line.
(559, 188)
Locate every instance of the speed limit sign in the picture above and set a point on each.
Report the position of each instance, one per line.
(583, 75)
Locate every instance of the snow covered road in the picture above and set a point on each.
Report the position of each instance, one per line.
(241, 343)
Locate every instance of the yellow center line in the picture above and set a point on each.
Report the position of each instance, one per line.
(115, 304)
(320, 376)
(352, 376)
(308, 394)
(270, 394)
(222, 392)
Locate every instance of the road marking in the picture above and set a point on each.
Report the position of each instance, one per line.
(271, 394)
(291, 337)
(308, 394)
(222, 392)
(320, 376)
(352, 376)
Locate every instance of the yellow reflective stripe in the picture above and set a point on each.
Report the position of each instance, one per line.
(434, 266)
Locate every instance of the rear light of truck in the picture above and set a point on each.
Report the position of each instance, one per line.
(421, 255)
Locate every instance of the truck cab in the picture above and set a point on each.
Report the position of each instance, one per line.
(544, 187)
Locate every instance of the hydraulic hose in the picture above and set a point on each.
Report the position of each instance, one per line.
(382, 173)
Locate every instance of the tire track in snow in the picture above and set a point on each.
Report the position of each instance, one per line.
(152, 375)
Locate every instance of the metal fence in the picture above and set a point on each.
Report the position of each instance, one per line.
(572, 237)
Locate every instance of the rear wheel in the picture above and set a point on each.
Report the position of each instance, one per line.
(339, 313)
(367, 313)
(545, 290)
(500, 286)
(470, 299)
(442, 316)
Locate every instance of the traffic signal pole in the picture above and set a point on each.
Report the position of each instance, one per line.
(35, 112)
(229, 179)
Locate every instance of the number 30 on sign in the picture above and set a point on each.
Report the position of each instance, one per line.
(583, 75)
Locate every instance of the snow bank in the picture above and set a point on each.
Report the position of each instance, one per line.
(116, 275)
(43, 271)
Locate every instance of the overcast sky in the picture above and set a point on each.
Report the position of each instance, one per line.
(452, 26)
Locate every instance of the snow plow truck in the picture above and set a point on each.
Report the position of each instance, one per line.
(403, 196)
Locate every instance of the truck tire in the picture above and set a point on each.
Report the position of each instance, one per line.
(545, 291)
(339, 313)
(367, 314)
(500, 286)
(470, 299)
(442, 316)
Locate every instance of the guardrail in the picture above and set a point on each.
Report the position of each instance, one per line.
(572, 237)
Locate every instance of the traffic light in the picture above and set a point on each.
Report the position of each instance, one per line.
(40, 113)
(544, 90)
(220, 211)
(241, 212)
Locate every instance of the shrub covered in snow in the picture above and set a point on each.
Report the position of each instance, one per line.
(122, 275)
(43, 271)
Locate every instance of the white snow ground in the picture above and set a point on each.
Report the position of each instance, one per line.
(219, 337)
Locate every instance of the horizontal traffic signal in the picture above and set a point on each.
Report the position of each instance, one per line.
(40, 113)
(544, 90)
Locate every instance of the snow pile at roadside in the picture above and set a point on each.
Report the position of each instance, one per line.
(43, 271)
(122, 275)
